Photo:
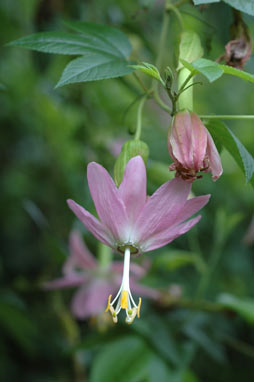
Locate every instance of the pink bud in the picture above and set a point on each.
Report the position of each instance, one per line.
(192, 148)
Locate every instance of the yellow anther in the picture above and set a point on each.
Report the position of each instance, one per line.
(124, 299)
(139, 306)
(109, 301)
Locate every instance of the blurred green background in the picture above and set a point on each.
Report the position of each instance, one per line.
(48, 137)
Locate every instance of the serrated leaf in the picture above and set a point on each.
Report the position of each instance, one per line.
(149, 69)
(237, 73)
(104, 49)
(94, 67)
(243, 306)
(190, 47)
(233, 146)
(113, 40)
(246, 6)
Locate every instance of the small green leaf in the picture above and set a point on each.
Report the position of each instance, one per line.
(233, 146)
(150, 70)
(237, 73)
(94, 67)
(190, 48)
(246, 6)
(243, 306)
(210, 69)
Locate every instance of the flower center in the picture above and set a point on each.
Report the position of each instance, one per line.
(124, 299)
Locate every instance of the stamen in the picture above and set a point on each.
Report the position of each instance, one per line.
(124, 299)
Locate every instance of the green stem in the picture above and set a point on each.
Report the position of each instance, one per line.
(139, 118)
(162, 43)
(161, 103)
(226, 116)
(104, 255)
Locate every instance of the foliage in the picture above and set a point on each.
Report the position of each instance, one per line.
(202, 327)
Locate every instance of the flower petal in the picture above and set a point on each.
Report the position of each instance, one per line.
(161, 209)
(142, 290)
(188, 140)
(91, 300)
(214, 158)
(65, 282)
(199, 141)
(164, 237)
(132, 190)
(109, 206)
(191, 207)
(80, 254)
(91, 223)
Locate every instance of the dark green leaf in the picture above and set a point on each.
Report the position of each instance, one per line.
(246, 6)
(234, 147)
(103, 37)
(210, 69)
(243, 306)
(94, 67)
(123, 360)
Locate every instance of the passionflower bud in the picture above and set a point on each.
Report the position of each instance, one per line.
(192, 148)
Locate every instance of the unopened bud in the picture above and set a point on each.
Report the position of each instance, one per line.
(129, 150)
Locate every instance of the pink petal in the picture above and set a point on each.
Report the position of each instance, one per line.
(136, 270)
(132, 190)
(109, 206)
(91, 300)
(191, 207)
(80, 254)
(187, 140)
(144, 291)
(214, 158)
(199, 141)
(161, 209)
(65, 282)
(91, 223)
(164, 237)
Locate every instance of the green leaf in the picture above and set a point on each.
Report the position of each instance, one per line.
(198, 2)
(172, 260)
(190, 48)
(150, 70)
(237, 73)
(108, 39)
(94, 38)
(243, 306)
(233, 146)
(104, 49)
(246, 6)
(212, 71)
(125, 360)
(94, 67)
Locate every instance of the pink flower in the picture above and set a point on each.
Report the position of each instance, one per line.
(192, 148)
(132, 223)
(95, 283)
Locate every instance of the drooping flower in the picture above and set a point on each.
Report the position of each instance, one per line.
(192, 148)
(95, 283)
(132, 223)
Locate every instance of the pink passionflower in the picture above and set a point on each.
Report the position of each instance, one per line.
(95, 283)
(192, 148)
(132, 223)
